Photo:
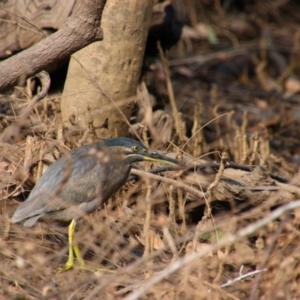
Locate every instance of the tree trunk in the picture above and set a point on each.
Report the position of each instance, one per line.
(104, 75)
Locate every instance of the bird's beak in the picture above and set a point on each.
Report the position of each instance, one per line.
(156, 157)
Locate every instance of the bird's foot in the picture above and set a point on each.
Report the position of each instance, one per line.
(83, 267)
(67, 266)
(98, 269)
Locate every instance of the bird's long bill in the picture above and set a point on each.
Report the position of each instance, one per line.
(157, 157)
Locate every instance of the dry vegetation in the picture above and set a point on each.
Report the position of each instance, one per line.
(226, 102)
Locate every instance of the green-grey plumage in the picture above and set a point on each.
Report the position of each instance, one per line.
(95, 173)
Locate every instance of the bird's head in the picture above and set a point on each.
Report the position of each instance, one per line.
(131, 151)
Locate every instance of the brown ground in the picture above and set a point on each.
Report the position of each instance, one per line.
(164, 239)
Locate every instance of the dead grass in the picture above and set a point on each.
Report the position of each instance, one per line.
(200, 233)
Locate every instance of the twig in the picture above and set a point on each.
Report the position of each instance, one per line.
(169, 181)
(181, 211)
(217, 288)
(232, 281)
(20, 25)
(195, 132)
(146, 229)
(202, 59)
(176, 115)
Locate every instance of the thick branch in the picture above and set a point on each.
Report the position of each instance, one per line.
(81, 29)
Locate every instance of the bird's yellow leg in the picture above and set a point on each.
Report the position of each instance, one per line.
(82, 264)
(74, 249)
(70, 262)
(78, 256)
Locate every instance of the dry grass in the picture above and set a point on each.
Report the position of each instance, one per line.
(205, 232)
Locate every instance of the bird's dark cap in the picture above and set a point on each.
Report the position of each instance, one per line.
(121, 141)
(142, 151)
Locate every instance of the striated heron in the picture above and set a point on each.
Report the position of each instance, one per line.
(81, 181)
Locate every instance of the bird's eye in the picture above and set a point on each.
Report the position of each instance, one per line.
(135, 148)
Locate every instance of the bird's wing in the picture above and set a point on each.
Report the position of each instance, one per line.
(79, 186)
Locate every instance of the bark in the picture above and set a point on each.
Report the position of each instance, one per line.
(103, 75)
(80, 29)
